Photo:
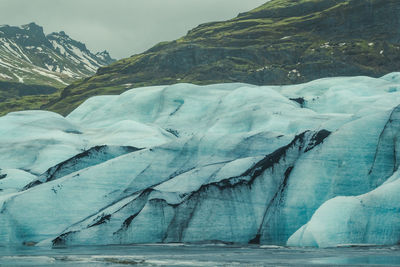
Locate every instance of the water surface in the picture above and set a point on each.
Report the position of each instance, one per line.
(198, 255)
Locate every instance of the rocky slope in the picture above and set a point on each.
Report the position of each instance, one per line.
(33, 65)
(314, 164)
(281, 42)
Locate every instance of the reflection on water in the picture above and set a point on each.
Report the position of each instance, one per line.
(198, 255)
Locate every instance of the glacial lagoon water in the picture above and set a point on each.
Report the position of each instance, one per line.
(199, 255)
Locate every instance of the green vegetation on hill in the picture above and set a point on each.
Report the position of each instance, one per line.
(19, 96)
(280, 42)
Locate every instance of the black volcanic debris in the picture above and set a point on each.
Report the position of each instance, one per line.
(88, 158)
(72, 131)
(61, 240)
(129, 220)
(103, 219)
(32, 184)
(273, 158)
(134, 208)
(317, 139)
(287, 174)
(172, 131)
(299, 100)
(256, 240)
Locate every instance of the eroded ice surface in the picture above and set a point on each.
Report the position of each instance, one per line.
(315, 164)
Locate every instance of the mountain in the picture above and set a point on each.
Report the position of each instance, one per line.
(280, 42)
(313, 164)
(34, 66)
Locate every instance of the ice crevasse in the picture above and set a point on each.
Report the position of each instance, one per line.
(313, 164)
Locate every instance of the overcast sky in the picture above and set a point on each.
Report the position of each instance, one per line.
(123, 27)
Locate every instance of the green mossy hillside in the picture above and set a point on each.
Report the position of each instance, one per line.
(16, 96)
(280, 42)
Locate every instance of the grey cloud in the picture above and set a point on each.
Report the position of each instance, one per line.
(124, 27)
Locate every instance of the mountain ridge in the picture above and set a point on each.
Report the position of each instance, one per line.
(28, 56)
(280, 42)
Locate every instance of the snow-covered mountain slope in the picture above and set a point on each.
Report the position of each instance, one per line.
(35, 67)
(314, 164)
(28, 56)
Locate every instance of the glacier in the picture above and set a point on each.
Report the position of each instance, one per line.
(312, 164)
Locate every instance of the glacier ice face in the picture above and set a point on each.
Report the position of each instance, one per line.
(185, 163)
(36, 140)
(14, 180)
(371, 218)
